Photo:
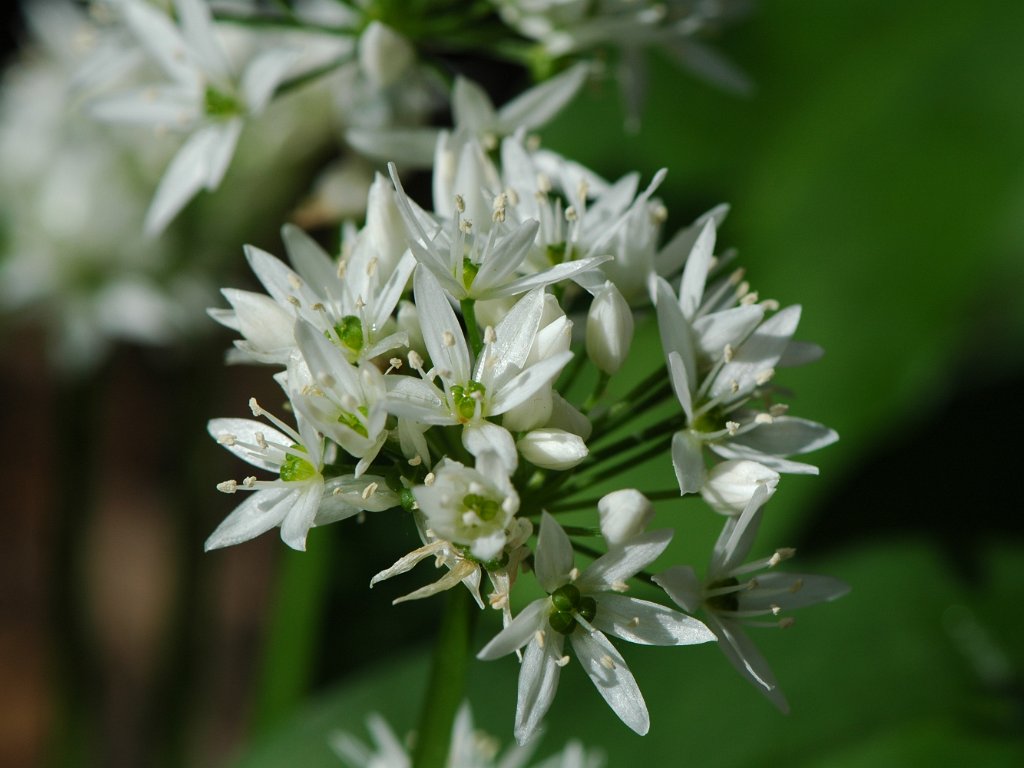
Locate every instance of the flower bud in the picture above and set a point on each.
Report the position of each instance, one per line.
(552, 448)
(624, 514)
(730, 485)
(384, 55)
(609, 329)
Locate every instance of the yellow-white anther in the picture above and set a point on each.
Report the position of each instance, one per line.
(539, 637)
(294, 301)
(226, 439)
(562, 661)
(620, 586)
(763, 377)
(727, 353)
(415, 361)
(369, 490)
(778, 409)
(460, 204)
(732, 427)
(489, 335)
(607, 662)
(574, 574)
(228, 486)
(465, 226)
(764, 418)
(429, 479)
(249, 482)
(416, 460)
(294, 282)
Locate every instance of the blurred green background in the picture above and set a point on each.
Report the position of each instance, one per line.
(876, 176)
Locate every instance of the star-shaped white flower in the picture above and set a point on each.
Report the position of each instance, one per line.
(299, 498)
(730, 595)
(583, 607)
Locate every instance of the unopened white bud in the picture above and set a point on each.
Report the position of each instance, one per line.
(730, 485)
(624, 515)
(609, 329)
(552, 448)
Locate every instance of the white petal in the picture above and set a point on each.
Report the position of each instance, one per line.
(471, 107)
(259, 513)
(520, 632)
(440, 326)
(201, 162)
(688, 462)
(682, 585)
(299, 519)
(748, 661)
(197, 26)
(787, 435)
(738, 534)
(624, 515)
(162, 41)
(311, 262)
(676, 334)
(691, 290)
(170, 107)
(730, 484)
(261, 320)
(792, 590)
(539, 104)
(410, 147)
(263, 75)
(611, 569)
(758, 353)
(647, 623)
(553, 558)
(240, 436)
(538, 681)
(483, 436)
(514, 336)
(612, 678)
(524, 385)
(730, 326)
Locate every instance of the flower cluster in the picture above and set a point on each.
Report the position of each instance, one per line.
(438, 367)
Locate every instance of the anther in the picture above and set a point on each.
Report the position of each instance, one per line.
(465, 226)
(415, 361)
(460, 204)
(448, 339)
(562, 661)
(489, 335)
(429, 479)
(737, 276)
(570, 213)
(294, 301)
(781, 554)
(228, 486)
(727, 353)
(255, 407)
(775, 609)
(416, 460)
(249, 482)
(369, 490)
(732, 427)
(763, 377)
(226, 439)
(512, 196)
(326, 379)
(318, 306)
(620, 586)
(635, 621)
(261, 441)
(734, 386)
(543, 183)
(764, 418)
(607, 662)
(539, 637)
(778, 409)
(583, 189)
(574, 574)
(796, 586)
(771, 305)
(394, 364)
(786, 622)
(659, 214)
(371, 267)
(749, 299)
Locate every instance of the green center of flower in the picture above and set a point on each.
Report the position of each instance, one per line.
(727, 602)
(486, 509)
(711, 420)
(469, 270)
(349, 331)
(566, 604)
(465, 398)
(220, 104)
(352, 421)
(295, 468)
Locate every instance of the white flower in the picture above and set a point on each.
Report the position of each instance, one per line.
(469, 748)
(299, 498)
(624, 515)
(722, 354)
(729, 596)
(205, 98)
(583, 607)
(471, 506)
(551, 448)
(350, 301)
(470, 395)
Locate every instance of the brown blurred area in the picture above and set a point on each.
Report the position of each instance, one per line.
(121, 642)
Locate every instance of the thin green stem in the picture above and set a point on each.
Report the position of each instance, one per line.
(584, 478)
(468, 307)
(305, 78)
(446, 687)
(632, 441)
(600, 387)
(632, 405)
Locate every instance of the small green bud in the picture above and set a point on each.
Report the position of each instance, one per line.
(566, 598)
(220, 104)
(486, 509)
(562, 622)
(588, 608)
(295, 468)
(350, 333)
(469, 270)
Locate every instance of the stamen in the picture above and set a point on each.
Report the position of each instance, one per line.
(369, 490)
(607, 662)
(416, 460)
(539, 637)
(763, 377)
(727, 353)
(732, 427)
(415, 361)
(249, 482)
(460, 204)
(781, 554)
(318, 307)
(261, 441)
(489, 335)
(465, 226)
(562, 661)
(294, 282)
(429, 479)
(327, 380)
(448, 339)
(226, 439)
(764, 418)
(778, 409)
(228, 486)
(574, 574)
(294, 301)
(620, 586)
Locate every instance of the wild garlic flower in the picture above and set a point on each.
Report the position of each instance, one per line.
(583, 607)
(731, 595)
(205, 97)
(469, 748)
(300, 497)
(470, 395)
(350, 301)
(722, 351)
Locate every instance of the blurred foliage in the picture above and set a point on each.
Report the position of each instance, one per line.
(876, 177)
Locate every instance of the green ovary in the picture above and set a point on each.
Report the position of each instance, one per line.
(469, 270)
(350, 333)
(567, 605)
(295, 468)
(464, 400)
(728, 602)
(486, 509)
(352, 421)
(220, 104)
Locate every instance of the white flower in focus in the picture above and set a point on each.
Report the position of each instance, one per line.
(609, 329)
(583, 607)
(470, 395)
(471, 506)
(299, 498)
(204, 98)
(350, 301)
(722, 354)
(730, 596)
